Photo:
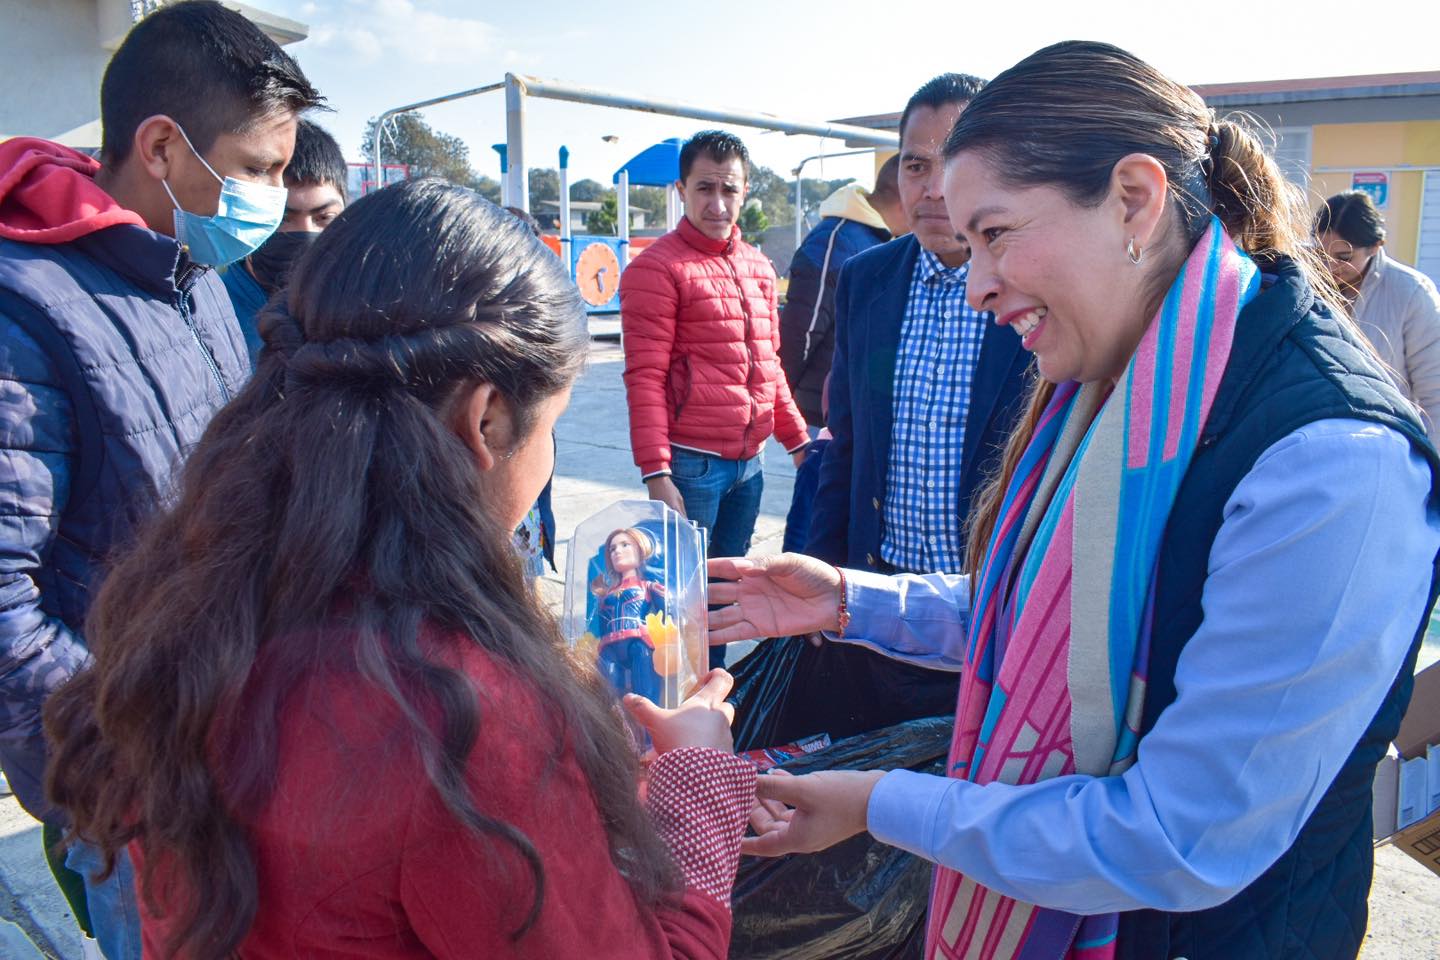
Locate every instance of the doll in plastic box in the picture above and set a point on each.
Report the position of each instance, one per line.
(627, 605)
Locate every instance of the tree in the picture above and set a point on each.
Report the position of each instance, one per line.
(813, 192)
(487, 188)
(428, 153)
(774, 193)
(604, 220)
(652, 199)
(544, 185)
(589, 190)
(753, 223)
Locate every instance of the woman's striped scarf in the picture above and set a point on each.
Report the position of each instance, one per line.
(1054, 678)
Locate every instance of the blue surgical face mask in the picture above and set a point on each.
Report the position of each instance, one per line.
(248, 213)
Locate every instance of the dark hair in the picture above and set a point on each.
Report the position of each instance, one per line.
(327, 516)
(206, 67)
(887, 185)
(718, 146)
(942, 91)
(1354, 216)
(317, 159)
(1065, 115)
(524, 217)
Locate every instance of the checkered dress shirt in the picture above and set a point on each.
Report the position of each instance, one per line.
(939, 344)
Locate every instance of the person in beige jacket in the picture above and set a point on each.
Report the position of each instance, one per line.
(1396, 305)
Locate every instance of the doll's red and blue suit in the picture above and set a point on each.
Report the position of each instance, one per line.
(626, 653)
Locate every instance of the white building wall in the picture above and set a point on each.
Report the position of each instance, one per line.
(51, 61)
(53, 54)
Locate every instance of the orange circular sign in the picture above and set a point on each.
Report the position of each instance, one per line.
(597, 274)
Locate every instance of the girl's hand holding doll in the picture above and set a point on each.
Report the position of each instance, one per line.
(701, 721)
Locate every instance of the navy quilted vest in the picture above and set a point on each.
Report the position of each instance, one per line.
(147, 346)
(1292, 364)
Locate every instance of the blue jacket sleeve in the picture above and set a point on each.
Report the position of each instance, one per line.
(38, 652)
(830, 522)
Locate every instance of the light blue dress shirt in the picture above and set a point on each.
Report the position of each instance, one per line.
(1317, 581)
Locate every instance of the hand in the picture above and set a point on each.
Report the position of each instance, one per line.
(799, 456)
(829, 806)
(772, 597)
(662, 488)
(701, 721)
(767, 815)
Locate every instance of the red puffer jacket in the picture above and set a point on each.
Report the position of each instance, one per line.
(702, 351)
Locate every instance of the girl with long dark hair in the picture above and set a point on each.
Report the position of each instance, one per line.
(326, 714)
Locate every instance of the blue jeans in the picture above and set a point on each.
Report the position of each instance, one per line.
(114, 912)
(723, 496)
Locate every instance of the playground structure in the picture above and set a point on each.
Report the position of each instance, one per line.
(361, 178)
(596, 262)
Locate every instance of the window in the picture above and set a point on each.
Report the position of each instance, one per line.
(1292, 153)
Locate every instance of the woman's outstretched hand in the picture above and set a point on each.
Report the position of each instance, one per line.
(824, 808)
(703, 720)
(772, 597)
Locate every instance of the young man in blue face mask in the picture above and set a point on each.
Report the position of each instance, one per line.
(117, 340)
(315, 194)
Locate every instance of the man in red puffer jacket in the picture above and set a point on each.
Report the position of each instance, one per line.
(702, 355)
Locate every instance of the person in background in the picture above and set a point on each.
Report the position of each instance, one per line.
(1194, 593)
(1396, 305)
(118, 344)
(315, 193)
(923, 390)
(535, 537)
(385, 749)
(851, 221)
(701, 328)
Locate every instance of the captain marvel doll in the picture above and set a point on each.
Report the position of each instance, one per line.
(624, 598)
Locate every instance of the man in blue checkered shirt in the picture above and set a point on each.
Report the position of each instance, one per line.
(923, 392)
(939, 343)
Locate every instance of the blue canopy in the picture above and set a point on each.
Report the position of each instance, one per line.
(655, 166)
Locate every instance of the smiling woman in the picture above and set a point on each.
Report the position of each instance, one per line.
(1187, 633)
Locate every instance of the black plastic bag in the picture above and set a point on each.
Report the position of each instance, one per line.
(762, 683)
(789, 688)
(859, 900)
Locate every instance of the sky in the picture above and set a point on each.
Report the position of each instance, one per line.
(814, 60)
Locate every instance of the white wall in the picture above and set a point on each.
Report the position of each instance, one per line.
(51, 61)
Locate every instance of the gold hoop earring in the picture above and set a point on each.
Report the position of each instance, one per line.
(1134, 252)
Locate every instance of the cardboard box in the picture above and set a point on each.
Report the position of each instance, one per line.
(1421, 726)
(1416, 759)
(1422, 841)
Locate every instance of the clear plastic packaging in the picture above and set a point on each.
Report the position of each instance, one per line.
(635, 599)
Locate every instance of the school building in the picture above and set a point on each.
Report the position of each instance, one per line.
(53, 53)
(1379, 133)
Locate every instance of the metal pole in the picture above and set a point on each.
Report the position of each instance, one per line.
(799, 218)
(852, 136)
(672, 206)
(565, 240)
(379, 143)
(799, 209)
(418, 105)
(622, 207)
(504, 174)
(515, 139)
